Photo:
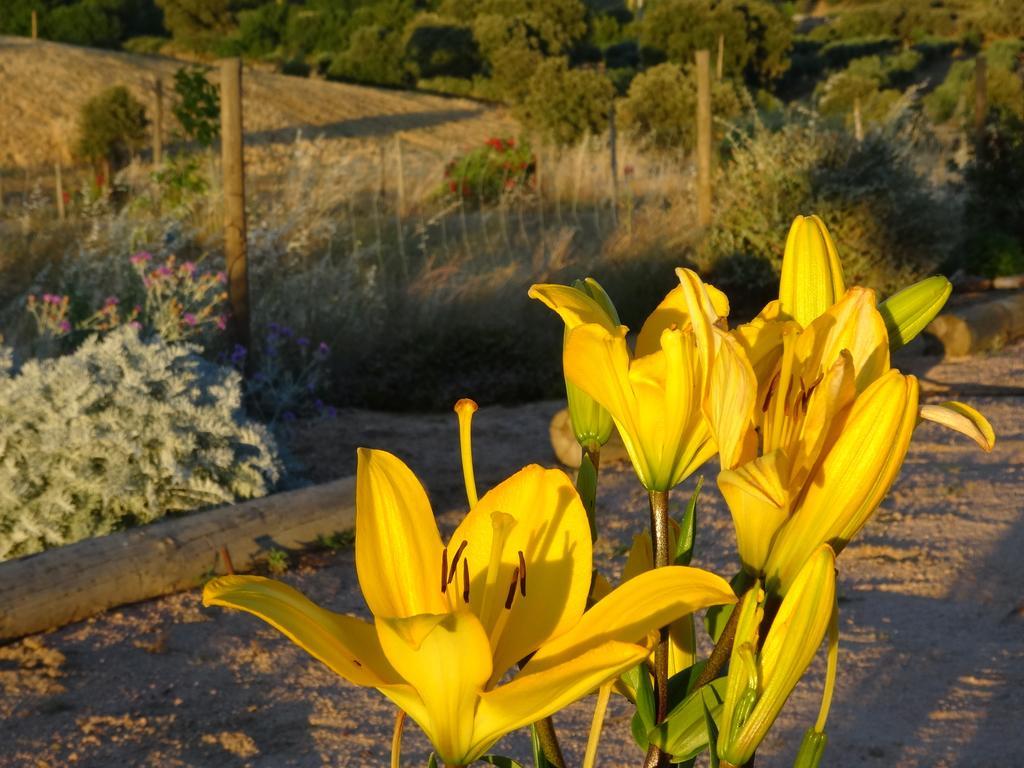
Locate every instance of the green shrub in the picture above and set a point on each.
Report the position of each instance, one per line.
(150, 45)
(756, 35)
(119, 433)
(994, 209)
(660, 109)
(373, 56)
(111, 126)
(436, 47)
(197, 105)
(954, 98)
(261, 30)
(564, 105)
(84, 23)
(890, 225)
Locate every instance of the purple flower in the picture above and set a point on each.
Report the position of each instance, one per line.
(323, 349)
(112, 301)
(331, 411)
(189, 318)
(288, 416)
(302, 342)
(238, 355)
(65, 326)
(141, 257)
(188, 268)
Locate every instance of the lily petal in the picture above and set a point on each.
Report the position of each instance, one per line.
(537, 512)
(756, 495)
(644, 603)
(852, 478)
(597, 362)
(730, 402)
(398, 547)
(853, 323)
(533, 696)
(446, 658)
(346, 644)
(573, 305)
(963, 419)
(674, 311)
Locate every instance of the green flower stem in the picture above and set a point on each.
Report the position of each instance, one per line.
(720, 653)
(659, 538)
(549, 742)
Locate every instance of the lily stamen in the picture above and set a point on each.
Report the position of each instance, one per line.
(522, 574)
(465, 579)
(455, 559)
(512, 589)
(445, 579)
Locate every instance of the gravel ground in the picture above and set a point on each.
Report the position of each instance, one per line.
(932, 618)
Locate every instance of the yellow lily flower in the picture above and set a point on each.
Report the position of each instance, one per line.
(450, 622)
(583, 302)
(760, 681)
(833, 429)
(686, 394)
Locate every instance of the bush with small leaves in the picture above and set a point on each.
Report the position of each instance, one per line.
(564, 105)
(121, 432)
(660, 108)
(111, 126)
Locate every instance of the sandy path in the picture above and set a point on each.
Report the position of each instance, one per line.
(932, 602)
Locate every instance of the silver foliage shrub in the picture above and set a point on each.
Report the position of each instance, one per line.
(121, 432)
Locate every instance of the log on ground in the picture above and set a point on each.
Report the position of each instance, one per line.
(61, 586)
(980, 327)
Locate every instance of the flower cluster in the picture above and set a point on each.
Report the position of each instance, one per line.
(181, 300)
(810, 423)
(50, 312)
(500, 167)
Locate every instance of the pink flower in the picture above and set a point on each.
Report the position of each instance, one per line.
(65, 326)
(222, 277)
(222, 322)
(188, 268)
(189, 318)
(141, 258)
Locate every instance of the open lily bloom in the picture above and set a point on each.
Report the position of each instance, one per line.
(684, 366)
(833, 425)
(451, 621)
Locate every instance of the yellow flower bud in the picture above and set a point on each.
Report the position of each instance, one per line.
(908, 312)
(812, 275)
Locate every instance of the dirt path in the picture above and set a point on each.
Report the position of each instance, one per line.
(932, 603)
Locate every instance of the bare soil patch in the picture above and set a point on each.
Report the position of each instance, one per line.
(932, 602)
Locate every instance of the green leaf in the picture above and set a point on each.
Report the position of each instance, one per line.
(501, 760)
(643, 720)
(684, 734)
(688, 528)
(432, 761)
(906, 313)
(586, 487)
(811, 749)
(710, 725)
(717, 616)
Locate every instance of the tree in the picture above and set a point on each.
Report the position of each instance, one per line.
(440, 47)
(660, 108)
(567, 104)
(197, 107)
(373, 56)
(756, 36)
(111, 126)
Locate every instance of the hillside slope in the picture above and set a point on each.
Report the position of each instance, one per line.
(43, 86)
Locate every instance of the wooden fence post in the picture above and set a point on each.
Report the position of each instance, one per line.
(59, 192)
(613, 163)
(858, 121)
(158, 123)
(720, 68)
(980, 96)
(703, 58)
(233, 169)
(35, 25)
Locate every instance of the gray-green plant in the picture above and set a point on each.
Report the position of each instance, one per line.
(121, 432)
